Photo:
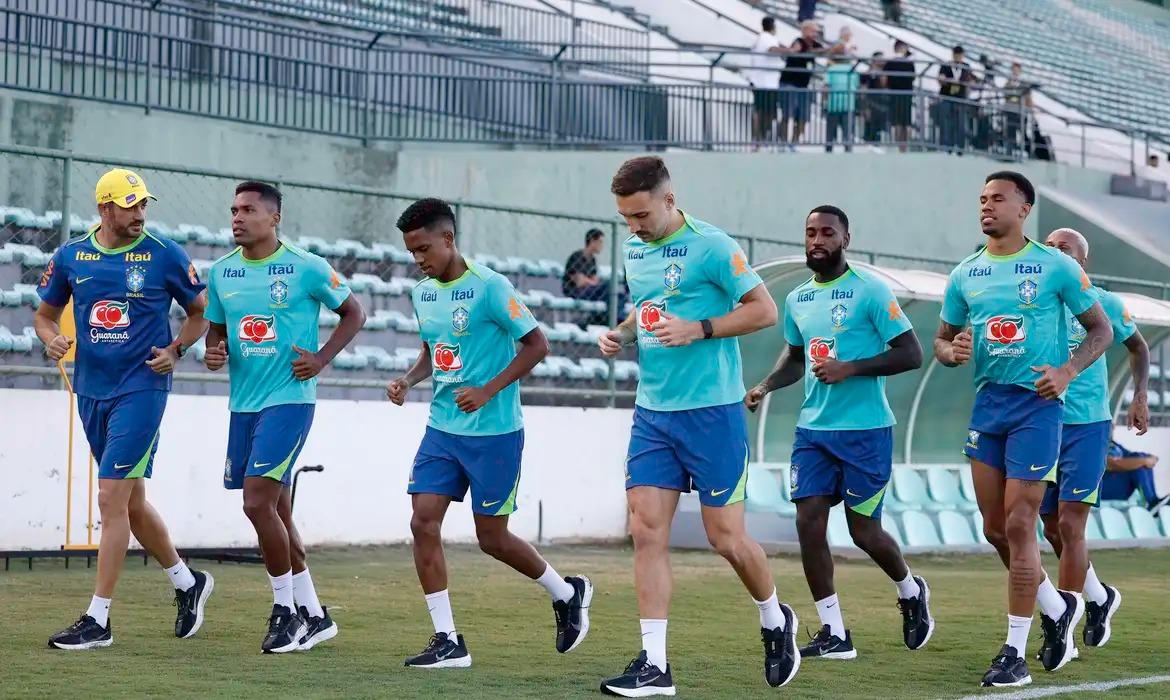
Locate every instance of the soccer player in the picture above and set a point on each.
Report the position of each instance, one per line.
(470, 321)
(846, 333)
(269, 294)
(1084, 450)
(122, 280)
(1014, 292)
(694, 293)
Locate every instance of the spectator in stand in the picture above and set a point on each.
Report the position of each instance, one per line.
(841, 84)
(844, 46)
(984, 104)
(795, 96)
(1127, 471)
(955, 80)
(806, 10)
(900, 76)
(892, 11)
(764, 76)
(1017, 98)
(875, 102)
(1152, 160)
(581, 280)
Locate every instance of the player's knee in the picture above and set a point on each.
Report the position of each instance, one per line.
(257, 508)
(866, 537)
(425, 527)
(113, 505)
(810, 524)
(493, 544)
(995, 535)
(1019, 526)
(647, 533)
(1071, 527)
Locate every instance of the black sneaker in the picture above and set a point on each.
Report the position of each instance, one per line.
(190, 603)
(442, 652)
(1058, 645)
(781, 657)
(285, 628)
(317, 629)
(641, 679)
(1098, 618)
(1157, 505)
(573, 614)
(86, 633)
(1008, 669)
(917, 624)
(827, 646)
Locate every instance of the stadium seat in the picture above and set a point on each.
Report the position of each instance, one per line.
(1114, 524)
(839, 528)
(7, 254)
(890, 525)
(546, 370)
(967, 484)
(945, 489)
(394, 254)
(977, 527)
(1165, 525)
(350, 361)
(1093, 529)
(919, 529)
(26, 341)
(910, 489)
(327, 319)
(1143, 523)
(625, 370)
(375, 322)
(377, 356)
(956, 529)
(763, 491)
(6, 339)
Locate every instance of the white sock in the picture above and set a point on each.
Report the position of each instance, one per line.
(654, 642)
(1018, 628)
(282, 589)
(908, 587)
(1094, 590)
(305, 594)
(1050, 600)
(557, 587)
(181, 576)
(829, 610)
(99, 610)
(439, 606)
(770, 615)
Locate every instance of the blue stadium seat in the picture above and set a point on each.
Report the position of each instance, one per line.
(945, 489)
(839, 528)
(1143, 523)
(890, 525)
(1114, 524)
(956, 529)
(910, 488)
(919, 529)
(1093, 529)
(763, 491)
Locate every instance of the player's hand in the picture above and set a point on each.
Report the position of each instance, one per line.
(1053, 381)
(610, 342)
(396, 391)
(163, 361)
(962, 346)
(832, 371)
(58, 346)
(470, 399)
(755, 397)
(307, 365)
(1138, 415)
(216, 357)
(674, 332)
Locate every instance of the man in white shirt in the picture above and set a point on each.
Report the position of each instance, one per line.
(764, 76)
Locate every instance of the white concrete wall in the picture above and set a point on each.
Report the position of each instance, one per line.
(572, 464)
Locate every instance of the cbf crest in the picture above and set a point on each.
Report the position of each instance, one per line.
(1028, 290)
(838, 314)
(278, 292)
(460, 319)
(135, 279)
(672, 277)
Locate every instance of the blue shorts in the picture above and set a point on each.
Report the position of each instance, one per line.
(795, 102)
(1017, 431)
(849, 465)
(266, 443)
(123, 432)
(707, 447)
(1083, 451)
(447, 464)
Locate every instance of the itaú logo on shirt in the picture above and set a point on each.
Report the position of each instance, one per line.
(821, 349)
(1003, 334)
(254, 330)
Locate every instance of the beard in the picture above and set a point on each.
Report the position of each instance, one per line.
(826, 264)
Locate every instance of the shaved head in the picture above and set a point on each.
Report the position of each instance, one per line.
(1070, 242)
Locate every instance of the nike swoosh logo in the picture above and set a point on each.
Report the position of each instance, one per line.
(83, 279)
(1077, 492)
(975, 294)
(122, 466)
(260, 465)
(1034, 468)
(830, 607)
(487, 504)
(850, 493)
(229, 295)
(716, 494)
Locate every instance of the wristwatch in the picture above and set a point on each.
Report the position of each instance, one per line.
(708, 331)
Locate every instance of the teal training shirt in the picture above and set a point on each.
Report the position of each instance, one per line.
(1087, 400)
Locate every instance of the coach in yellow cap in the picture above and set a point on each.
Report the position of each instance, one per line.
(122, 281)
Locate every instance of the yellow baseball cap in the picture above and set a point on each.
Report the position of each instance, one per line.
(125, 188)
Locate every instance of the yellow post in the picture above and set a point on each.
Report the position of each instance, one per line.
(69, 329)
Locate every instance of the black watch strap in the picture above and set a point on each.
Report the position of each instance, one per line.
(708, 331)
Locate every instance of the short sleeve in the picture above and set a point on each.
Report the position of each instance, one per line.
(507, 310)
(954, 306)
(54, 288)
(214, 312)
(791, 331)
(1119, 318)
(1073, 286)
(326, 286)
(886, 314)
(182, 280)
(728, 267)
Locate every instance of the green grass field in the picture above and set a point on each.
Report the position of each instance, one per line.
(508, 623)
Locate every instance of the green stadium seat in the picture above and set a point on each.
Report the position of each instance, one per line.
(1114, 524)
(839, 528)
(956, 529)
(1093, 531)
(910, 489)
(944, 488)
(919, 529)
(890, 525)
(763, 491)
(1143, 523)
